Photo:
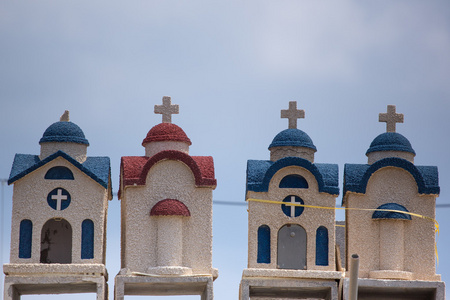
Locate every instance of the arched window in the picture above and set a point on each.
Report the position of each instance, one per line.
(87, 239)
(293, 181)
(61, 173)
(263, 245)
(25, 238)
(322, 246)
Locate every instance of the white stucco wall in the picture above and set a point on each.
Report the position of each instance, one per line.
(392, 185)
(273, 216)
(89, 200)
(167, 179)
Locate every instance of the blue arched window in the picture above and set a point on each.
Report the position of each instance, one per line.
(87, 239)
(59, 173)
(322, 246)
(293, 181)
(263, 244)
(25, 238)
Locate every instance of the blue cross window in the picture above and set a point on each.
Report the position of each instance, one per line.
(58, 199)
(291, 210)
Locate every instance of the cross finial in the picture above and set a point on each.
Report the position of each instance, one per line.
(166, 109)
(292, 114)
(64, 117)
(391, 118)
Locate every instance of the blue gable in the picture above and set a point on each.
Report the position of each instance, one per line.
(98, 168)
(260, 172)
(356, 176)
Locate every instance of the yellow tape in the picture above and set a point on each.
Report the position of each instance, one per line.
(436, 224)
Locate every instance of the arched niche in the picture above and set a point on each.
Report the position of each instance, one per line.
(56, 242)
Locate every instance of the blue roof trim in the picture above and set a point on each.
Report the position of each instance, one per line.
(260, 172)
(390, 214)
(356, 176)
(98, 168)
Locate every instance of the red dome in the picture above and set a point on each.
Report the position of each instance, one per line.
(170, 207)
(166, 132)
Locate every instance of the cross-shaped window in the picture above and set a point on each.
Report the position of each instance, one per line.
(58, 199)
(292, 210)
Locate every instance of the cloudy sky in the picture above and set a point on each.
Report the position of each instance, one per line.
(231, 66)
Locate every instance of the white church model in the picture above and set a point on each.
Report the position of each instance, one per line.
(291, 249)
(166, 207)
(58, 228)
(396, 250)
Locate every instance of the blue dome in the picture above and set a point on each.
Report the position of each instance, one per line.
(293, 137)
(390, 141)
(384, 213)
(64, 132)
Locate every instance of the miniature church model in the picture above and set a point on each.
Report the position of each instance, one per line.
(291, 244)
(396, 249)
(166, 208)
(58, 228)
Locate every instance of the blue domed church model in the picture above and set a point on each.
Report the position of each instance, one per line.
(58, 228)
(291, 247)
(390, 207)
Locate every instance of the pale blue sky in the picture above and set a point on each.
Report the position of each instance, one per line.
(231, 66)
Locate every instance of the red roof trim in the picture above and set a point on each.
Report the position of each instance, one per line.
(134, 169)
(170, 207)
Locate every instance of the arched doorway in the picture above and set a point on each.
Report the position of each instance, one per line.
(291, 253)
(56, 242)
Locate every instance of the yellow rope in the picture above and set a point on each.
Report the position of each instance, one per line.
(436, 224)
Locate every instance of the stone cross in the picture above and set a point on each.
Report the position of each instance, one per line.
(166, 109)
(391, 118)
(59, 197)
(292, 114)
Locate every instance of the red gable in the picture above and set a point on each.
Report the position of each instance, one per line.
(134, 169)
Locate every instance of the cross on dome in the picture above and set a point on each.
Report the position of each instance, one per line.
(166, 109)
(292, 114)
(391, 118)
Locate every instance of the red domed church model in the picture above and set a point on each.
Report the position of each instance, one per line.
(166, 207)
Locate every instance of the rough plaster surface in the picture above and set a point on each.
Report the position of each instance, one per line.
(284, 288)
(155, 147)
(167, 179)
(397, 289)
(75, 150)
(15, 286)
(272, 216)
(364, 236)
(160, 285)
(277, 153)
(373, 157)
(55, 269)
(89, 200)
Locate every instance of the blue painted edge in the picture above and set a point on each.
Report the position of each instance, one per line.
(322, 246)
(25, 238)
(263, 256)
(87, 239)
(260, 172)
(391, 215)
(356, 176)
(98, 168)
